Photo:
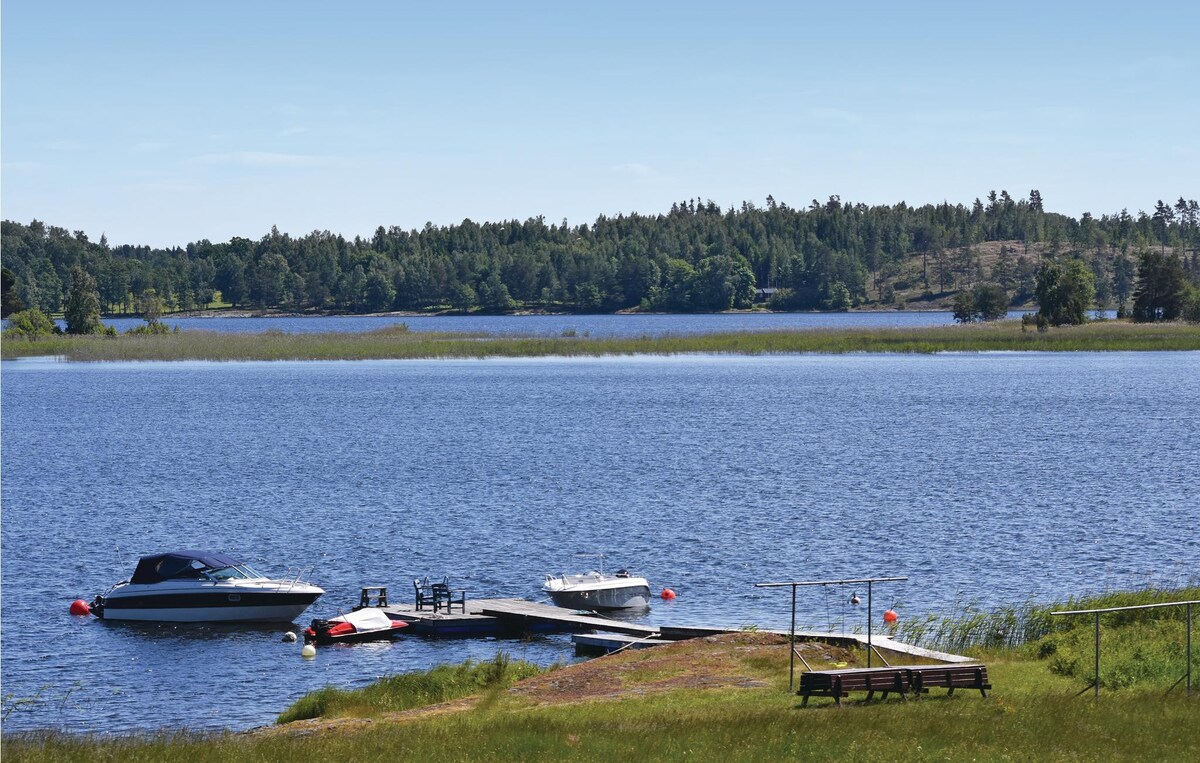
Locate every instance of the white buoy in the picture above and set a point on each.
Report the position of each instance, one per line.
(289, 637)
(308, 652)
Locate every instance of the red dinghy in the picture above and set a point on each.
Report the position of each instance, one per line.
(367, 624)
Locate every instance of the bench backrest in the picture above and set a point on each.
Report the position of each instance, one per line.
(899, 677)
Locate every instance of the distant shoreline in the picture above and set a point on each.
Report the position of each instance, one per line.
(397, 342)
(450, 313)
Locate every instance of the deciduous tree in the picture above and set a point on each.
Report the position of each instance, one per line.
(1065, 292)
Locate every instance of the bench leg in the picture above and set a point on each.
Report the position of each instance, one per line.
(871, 693)
(951, 692)
(804, 701)
(983, 691)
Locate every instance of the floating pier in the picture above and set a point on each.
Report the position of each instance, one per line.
(518, 618)
(507, 617)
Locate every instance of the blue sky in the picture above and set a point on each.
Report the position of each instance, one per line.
(164, 123)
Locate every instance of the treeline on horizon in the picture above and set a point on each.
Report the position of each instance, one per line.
(697, 257)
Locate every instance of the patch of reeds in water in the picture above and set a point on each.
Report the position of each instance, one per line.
(968, 626)
(399, 343)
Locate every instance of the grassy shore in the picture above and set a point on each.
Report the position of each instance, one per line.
(725, 698)
(397, 342)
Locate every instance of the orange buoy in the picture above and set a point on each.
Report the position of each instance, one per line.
(80, 607)
(890, 617)
(667, 594)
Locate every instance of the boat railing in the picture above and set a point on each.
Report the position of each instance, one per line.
(295, 580)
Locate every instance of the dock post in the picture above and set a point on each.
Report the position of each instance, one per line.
(870, 617)
(792, 647)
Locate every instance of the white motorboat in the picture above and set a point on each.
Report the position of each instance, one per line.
(598, 591)
(202, 586)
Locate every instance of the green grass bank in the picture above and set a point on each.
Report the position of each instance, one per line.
(399, 343)
(725, 698)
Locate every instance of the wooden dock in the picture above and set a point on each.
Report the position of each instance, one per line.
(508, 617)
(607, 643)
(516, 618)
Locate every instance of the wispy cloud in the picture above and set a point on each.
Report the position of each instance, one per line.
(165, 185)
(288, 132)
(834, 114)
(1166, 64)
(637, 169)
(65, 145)
(149, 146)
(261, 159)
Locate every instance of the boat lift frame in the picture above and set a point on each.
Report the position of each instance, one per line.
(1097, 612)
(798, 583)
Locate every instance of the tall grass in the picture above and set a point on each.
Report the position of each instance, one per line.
(409, 690)
(1026, 718)
(968, 626)
(1138, 647)
(401, 343)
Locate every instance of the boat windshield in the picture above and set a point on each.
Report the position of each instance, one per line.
(234, 572)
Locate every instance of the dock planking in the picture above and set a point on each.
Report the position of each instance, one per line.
(506, 617)
(515, 618)
(607, 643)
(521, 611)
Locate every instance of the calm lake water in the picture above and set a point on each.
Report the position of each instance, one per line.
(994, 477)
(555, 325)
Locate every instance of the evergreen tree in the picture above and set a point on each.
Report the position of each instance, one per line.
(1162, 288)
(82, 310)
(11, 300)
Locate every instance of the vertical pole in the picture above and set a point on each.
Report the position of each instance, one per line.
(1189, 648)
(870, 617)
(792, 645)
(1097, 684)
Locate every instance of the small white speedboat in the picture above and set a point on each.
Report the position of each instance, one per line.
(202, 587)
(598, 591)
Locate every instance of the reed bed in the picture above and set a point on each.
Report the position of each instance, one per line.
(969, 626)
(399, 343)
(1139, 647)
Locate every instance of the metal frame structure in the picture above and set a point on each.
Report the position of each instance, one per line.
(792, 634)
(1097, 612)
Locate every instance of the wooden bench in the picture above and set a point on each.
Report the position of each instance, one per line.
(839, 683)
(925, 677)
(902, 679)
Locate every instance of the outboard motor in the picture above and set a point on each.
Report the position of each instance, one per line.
(319, 627)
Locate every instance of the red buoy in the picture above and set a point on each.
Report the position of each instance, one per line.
(80, 607)
(890, 617)
(667, 594)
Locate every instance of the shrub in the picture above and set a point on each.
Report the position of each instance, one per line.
(31, 324)
(150, 329)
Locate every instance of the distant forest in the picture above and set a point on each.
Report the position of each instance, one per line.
(697, 257)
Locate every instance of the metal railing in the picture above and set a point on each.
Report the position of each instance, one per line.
(792, 637)
(1097, 612)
